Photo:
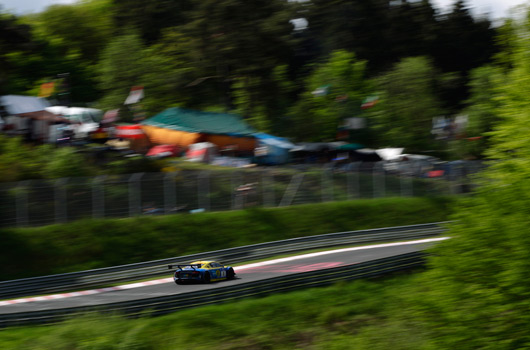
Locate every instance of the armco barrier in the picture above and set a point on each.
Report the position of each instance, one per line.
(111, 275)
(171, 303)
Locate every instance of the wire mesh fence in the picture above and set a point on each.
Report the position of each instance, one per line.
(41, 202)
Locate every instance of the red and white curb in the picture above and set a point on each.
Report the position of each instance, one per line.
(238, 268)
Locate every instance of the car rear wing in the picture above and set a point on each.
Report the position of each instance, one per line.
(194, 266)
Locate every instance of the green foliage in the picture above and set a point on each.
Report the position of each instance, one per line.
(342, 80)
(476, 292)
(264, 113)
(244, 56)
(408, 104)
(97, 243)
(335, 317)
(66, 162)
(168, 70)
(84, 28)
(19, 161)
(15, 162)
(149, 18)
(121, 66)
(483, 111)
(15, 38)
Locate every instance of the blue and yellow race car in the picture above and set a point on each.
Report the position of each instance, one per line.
(202, 271)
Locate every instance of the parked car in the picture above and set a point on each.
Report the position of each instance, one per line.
(410, 164)
(202, 271)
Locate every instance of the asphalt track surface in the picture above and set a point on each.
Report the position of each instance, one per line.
(248, 274)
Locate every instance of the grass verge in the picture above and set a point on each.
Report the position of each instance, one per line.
(88, 244)
(358, 315)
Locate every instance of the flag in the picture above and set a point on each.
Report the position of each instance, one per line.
(321, 91)
(46, 89)
(136, 94)
(369, 102)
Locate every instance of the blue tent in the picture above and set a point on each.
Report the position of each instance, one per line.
(272, 150)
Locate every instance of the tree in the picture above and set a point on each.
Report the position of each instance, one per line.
(83, 28)
(462, 43)
(334, 91)
(357, 26)
(149, 18)
(240, 43)
(66, 162)
(483, 109)
(121, 66)
(378, 31)
(476, 293)
(15, 37)
(408, 104)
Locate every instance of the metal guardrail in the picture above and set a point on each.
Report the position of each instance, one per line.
(123, 273)
(171, 303)
(116, 274)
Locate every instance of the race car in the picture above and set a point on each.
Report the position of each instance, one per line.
(202, 271)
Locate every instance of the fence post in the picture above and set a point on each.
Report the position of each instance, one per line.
(61, 214)
(406, 185)
(236, 199)
(170, 196)
(135, 197)
(98, 197)
(203, 190)
(291, 190)
(326, 185)
(22, 203)
(352, 177)
(457, 176)
(267, 186)
(378, 181)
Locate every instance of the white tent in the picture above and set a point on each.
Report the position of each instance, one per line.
(389, 153)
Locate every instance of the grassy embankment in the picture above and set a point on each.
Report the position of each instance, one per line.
(90, 244)
(356, 315)
(359, 315)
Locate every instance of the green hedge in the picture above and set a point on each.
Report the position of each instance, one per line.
(87, 244)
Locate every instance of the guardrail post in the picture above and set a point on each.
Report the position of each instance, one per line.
(22, 203)
(170, 196)
(61, 213)
(203, 190)
(135, 197)
(98, 197)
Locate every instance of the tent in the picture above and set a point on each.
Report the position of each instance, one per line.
(183, 127)
(389, 153)
(16, 104)
(272, 150)
(27, 115)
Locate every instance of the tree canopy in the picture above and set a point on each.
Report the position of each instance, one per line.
(247, 57)
(476, 292)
